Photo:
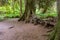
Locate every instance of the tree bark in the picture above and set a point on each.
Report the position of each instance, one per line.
(56, 34)
(29, 10)
(20, 7)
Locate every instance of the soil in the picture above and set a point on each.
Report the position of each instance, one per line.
(11, 29)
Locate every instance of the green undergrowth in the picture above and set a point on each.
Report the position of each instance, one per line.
(9, 12)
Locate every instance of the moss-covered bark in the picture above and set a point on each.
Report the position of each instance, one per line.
(56, 33)
(29, 10)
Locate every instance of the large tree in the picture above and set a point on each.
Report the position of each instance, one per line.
(30, 8)
(55, 35)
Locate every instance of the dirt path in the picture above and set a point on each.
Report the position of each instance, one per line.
(13, 30)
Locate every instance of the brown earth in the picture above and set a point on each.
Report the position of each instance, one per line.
(11, 29)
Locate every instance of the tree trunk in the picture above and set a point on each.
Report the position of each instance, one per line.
(56, 34)
(20, 7)
(29, 10)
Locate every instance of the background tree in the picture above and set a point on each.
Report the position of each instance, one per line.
(20, 7)
(3, 2)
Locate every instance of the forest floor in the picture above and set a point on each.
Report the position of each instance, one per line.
(11, 29)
